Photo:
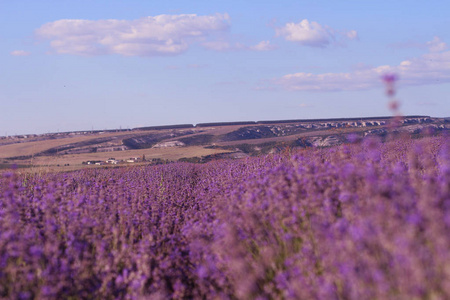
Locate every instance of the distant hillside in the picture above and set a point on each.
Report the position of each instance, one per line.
(204, 141)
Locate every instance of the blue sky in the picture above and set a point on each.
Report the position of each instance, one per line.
(76, 65)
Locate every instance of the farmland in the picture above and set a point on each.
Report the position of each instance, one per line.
(362, 220)
(203, 142)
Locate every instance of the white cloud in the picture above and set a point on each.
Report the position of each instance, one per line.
(20, 53)
(262, 46)
(221, 45)
(430, 68)
(313, 34)
(149, 36)
(352, 35)
(436, 45)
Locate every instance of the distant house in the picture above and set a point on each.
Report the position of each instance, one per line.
(133, 159)
(94, 162)
(112, 161)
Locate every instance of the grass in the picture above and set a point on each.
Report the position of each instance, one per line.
(31, 148)
(75, 160)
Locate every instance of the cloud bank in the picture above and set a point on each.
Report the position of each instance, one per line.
(430, 68)
(313, 34)
(149, 36)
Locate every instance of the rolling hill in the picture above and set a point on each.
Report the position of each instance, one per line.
(199, 143)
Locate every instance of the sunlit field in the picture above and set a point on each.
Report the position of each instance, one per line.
(367, 220)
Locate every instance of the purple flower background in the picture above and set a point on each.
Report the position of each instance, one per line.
(359, 221)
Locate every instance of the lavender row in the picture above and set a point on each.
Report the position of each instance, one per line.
(359, 221)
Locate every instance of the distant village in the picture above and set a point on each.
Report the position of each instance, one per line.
(131, 160)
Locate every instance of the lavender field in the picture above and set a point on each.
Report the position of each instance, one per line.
(367, 220)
